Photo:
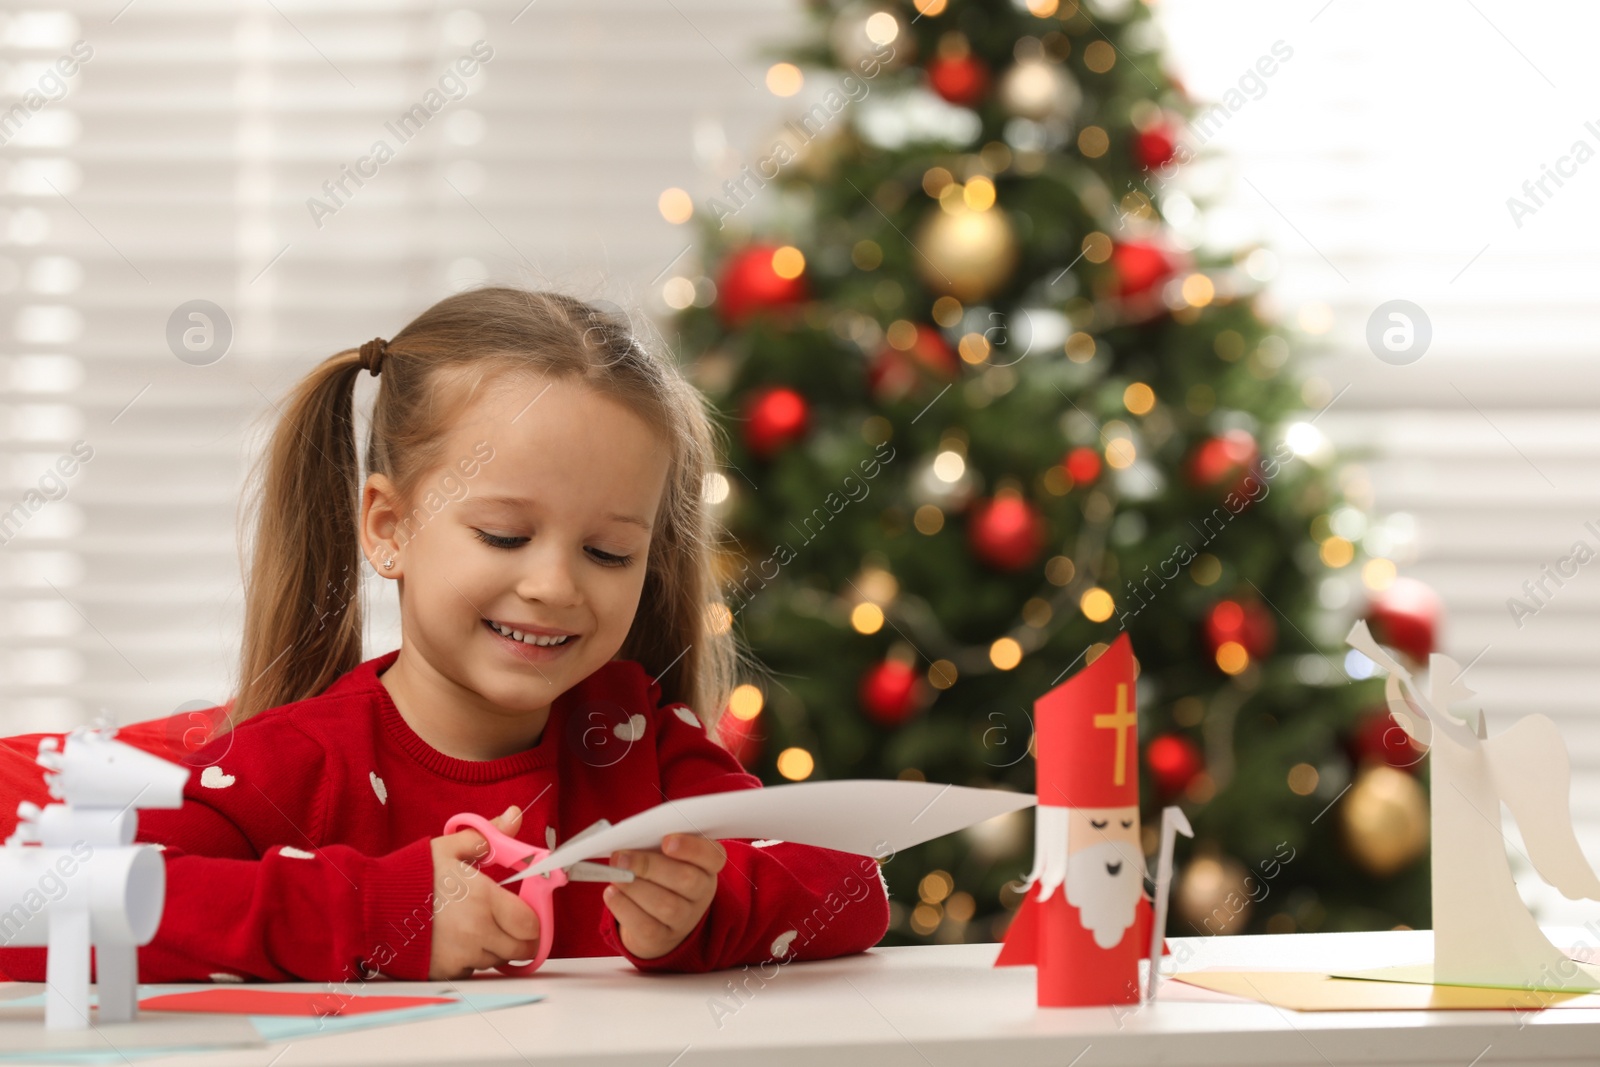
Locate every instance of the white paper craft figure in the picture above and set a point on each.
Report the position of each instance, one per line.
(71, 876)
(1483, 933)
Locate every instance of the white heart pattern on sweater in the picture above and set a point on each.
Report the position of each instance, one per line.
(781, 943)
(378, 787)
(296, 853)
(631, 730)
(214, 778)
(688, 716)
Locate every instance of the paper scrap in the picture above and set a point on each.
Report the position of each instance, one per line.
(1314, 991)
(870, 817)
(247, 1001)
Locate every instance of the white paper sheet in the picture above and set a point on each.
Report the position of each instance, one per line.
(866, 816)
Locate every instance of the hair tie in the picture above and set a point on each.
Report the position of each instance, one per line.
(372, 354)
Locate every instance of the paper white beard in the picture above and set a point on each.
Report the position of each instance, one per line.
(1102, 881)
(1105, 888)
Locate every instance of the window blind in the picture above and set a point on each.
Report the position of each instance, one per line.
(317, 174)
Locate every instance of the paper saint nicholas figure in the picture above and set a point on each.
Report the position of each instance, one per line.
(1085, 921)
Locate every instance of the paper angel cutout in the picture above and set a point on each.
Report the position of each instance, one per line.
(1483, 933)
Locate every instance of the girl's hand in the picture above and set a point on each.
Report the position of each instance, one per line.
(476, 924)
(671, 890)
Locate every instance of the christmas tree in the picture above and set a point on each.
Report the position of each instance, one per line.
(990, 402)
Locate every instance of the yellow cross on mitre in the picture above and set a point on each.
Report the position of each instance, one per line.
(1121, 721)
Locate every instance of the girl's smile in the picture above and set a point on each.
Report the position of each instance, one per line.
(531, 646)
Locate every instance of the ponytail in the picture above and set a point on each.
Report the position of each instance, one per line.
(302, 604)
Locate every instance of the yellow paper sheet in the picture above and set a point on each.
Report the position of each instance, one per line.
(1313, 991)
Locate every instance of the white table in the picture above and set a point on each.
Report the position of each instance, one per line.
(942, 1005)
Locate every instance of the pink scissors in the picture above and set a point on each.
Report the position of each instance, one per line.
(507, 851)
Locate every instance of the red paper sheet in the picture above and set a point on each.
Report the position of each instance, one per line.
(282, 1002)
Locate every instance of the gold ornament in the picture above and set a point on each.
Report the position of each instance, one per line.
(1041, 90)
(1384, 820)
(1211, 896)
(964, 253)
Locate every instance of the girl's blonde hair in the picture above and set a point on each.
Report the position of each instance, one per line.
(303, 612)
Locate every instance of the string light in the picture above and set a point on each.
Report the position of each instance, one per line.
(1096, 605)
(949, 466)
(979, 194)
(784, 79)
(882, 28)
(1232, 657)
(1005, 653)
(796, 764)
(1337, 552)
(935, 886)
(675, 205)
(867, 618)
(1303, 779)
(788, 262)
(1378, 574)
(1120, 453)
(745, 702)
(1198, 290)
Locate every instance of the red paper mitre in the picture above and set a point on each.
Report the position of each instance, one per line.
(1085, 729)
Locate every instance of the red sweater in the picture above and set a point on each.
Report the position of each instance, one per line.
(302, 849)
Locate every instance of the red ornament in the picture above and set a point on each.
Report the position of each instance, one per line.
(1155, 147)
(1082, 465)
(1007, 533)
(1245, 622)
(1227, 460)
(894, 373)
(774, 419)
(962, 79)
(889, 692)
(1174, 760)
(1406, 617)
(749, 284)
(1378, 738)
(1140, 267)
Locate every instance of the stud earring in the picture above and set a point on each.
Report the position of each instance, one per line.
(388, 564)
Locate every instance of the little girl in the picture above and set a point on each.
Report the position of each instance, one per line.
(559, 627)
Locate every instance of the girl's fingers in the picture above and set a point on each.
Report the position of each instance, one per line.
(512, 915)
(469, 845)
(466, 845)
(697, 849)
(672, 911)
(685, 870)
(631, 915)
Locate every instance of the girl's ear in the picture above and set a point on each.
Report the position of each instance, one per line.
(380, 506)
